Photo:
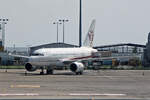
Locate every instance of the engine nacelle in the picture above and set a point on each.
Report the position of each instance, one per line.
(29, 67)
(77, 67)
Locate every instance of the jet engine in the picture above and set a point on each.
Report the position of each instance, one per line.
(29, 67)
(77, 67)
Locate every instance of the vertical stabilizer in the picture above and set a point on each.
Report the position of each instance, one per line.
(88, 42)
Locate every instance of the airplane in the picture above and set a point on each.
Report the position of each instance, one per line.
(50, 58)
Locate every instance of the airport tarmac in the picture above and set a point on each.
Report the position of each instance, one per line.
(102, 84)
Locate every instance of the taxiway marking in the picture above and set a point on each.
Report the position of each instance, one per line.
(25, 86)
(20, 94)
(95, 94)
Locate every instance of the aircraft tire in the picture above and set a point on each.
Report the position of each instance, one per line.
(49, 71)
(41, 73)
(79, 73)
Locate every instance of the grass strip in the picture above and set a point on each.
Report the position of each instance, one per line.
(11, 67)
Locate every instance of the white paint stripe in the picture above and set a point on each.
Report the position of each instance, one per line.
(95, 94)
(20, 94)
(25, 86)
(110, 76)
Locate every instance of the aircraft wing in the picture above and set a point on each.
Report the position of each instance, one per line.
(19, 56)
(78, 59)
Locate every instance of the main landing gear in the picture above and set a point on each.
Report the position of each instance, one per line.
(79, 73)
(48, 71)
(42, 71)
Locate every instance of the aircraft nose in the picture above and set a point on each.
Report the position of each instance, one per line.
(95, 53)
(94, 50)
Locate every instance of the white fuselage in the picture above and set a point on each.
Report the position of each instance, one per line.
(56, 56)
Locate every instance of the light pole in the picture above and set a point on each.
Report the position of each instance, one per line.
(80, 24)
(57, 23)
(63, 21)
(3, 22)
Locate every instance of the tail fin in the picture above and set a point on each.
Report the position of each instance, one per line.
(88, 42)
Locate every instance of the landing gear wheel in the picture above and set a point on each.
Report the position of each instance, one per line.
(42, 71)
(79, 73)
(49, 71)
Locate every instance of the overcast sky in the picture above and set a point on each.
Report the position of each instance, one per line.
(117, 21)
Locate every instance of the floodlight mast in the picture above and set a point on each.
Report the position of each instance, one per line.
(57, 23)
(63, 22)
(80, 24)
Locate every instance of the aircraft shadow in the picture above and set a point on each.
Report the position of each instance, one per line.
(38, 74)
(25, 73)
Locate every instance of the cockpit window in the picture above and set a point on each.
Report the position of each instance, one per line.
(37, 54)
